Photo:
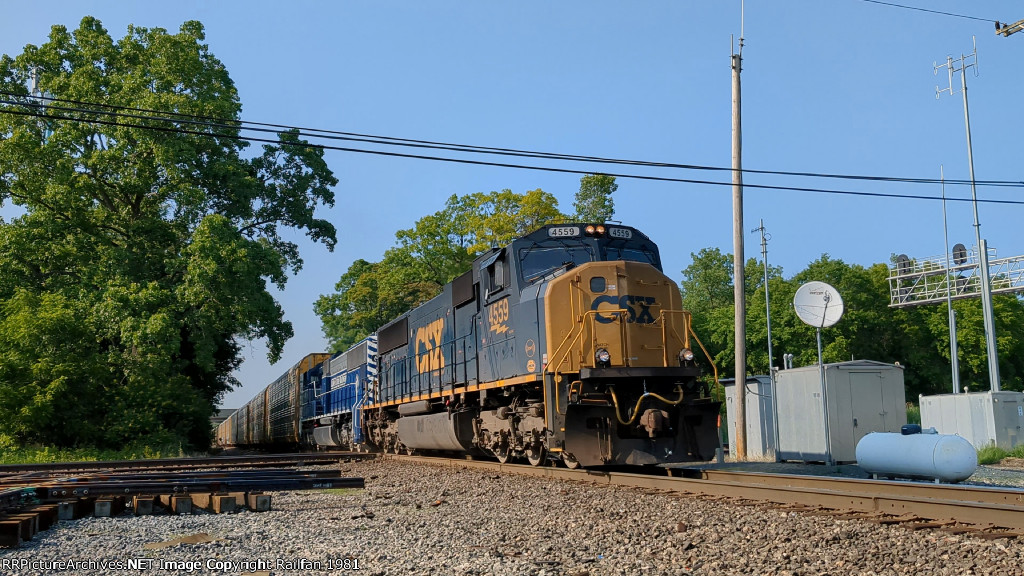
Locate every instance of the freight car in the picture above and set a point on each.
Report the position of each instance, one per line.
(569, 343)
(273, 417)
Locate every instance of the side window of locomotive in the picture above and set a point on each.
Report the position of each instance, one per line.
(598, 284)
(496, 276)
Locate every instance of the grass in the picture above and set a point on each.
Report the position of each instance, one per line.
(47, 454)
(913, 414)
(991, 454)
(342, 491)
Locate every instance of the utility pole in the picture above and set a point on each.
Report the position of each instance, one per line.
(1007, 29)
(961, 65)
(739, 285)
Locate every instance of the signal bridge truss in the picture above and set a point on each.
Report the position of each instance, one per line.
(913, 282)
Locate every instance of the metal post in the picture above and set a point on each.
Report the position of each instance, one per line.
(953, 356)
(765, 237)
(824, 399)
(983, 270)
(986, 285)
(739, 284)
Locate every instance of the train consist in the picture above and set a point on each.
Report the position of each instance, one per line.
(569, 343)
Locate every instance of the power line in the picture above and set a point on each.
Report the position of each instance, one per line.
(212, 122)
(38, 114)
(894, 5)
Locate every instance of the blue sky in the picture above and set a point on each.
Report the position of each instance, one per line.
(844, 86)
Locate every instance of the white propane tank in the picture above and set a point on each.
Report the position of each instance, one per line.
(917, 454)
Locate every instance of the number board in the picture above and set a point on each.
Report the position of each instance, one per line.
(563, 231)
(620, 233)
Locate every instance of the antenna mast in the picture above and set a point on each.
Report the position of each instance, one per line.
(765, 237)
(961, 65)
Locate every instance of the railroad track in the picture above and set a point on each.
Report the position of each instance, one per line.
(255, 461)
(988, 512)
(34, 497)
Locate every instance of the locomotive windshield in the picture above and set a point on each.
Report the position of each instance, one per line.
(540, 259)
(634, 254)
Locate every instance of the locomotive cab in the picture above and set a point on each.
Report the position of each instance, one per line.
(621, 375)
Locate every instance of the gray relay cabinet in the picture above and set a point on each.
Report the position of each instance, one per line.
(760, 418)
(863, 396)
(982, 418)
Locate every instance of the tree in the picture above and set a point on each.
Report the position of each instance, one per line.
(149, 240)
(438, 248)
(917, 338)
(594, 199)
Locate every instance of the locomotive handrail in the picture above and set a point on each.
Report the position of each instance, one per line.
(711, 360)
(579, 336)
(558, 350)
(664, 331)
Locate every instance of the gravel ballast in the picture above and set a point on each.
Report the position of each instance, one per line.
(415, 519)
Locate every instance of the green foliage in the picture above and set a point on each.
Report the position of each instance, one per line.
(913, 414)
(142, 256)
(10, 454)
(594, 199)
(438, 248)
(917, 338)
(991, 454)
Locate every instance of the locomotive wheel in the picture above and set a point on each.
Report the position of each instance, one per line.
(570, 461)
(536, 454)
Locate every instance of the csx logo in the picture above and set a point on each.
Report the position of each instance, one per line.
(638, 308)
(429, 354)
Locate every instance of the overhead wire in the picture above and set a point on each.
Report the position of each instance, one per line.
(209, 121)
(894, 5)
(37, 112)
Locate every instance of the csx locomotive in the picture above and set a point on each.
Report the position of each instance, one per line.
(569, 343)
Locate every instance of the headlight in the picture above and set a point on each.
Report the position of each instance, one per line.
(589, 230)
(603, 357)
(685, 355)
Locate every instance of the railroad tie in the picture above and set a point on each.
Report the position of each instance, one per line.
(216, 503)
(142, 505)
(176, 503)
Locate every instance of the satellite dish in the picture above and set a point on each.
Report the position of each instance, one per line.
(818, 304)
(959, 254)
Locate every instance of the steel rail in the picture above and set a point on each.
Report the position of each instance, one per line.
(60, 490)
(887, 488)
(185, 463)
(170, 476)
(907, 501)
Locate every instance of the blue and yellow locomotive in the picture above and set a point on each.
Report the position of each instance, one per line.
(568, 343)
